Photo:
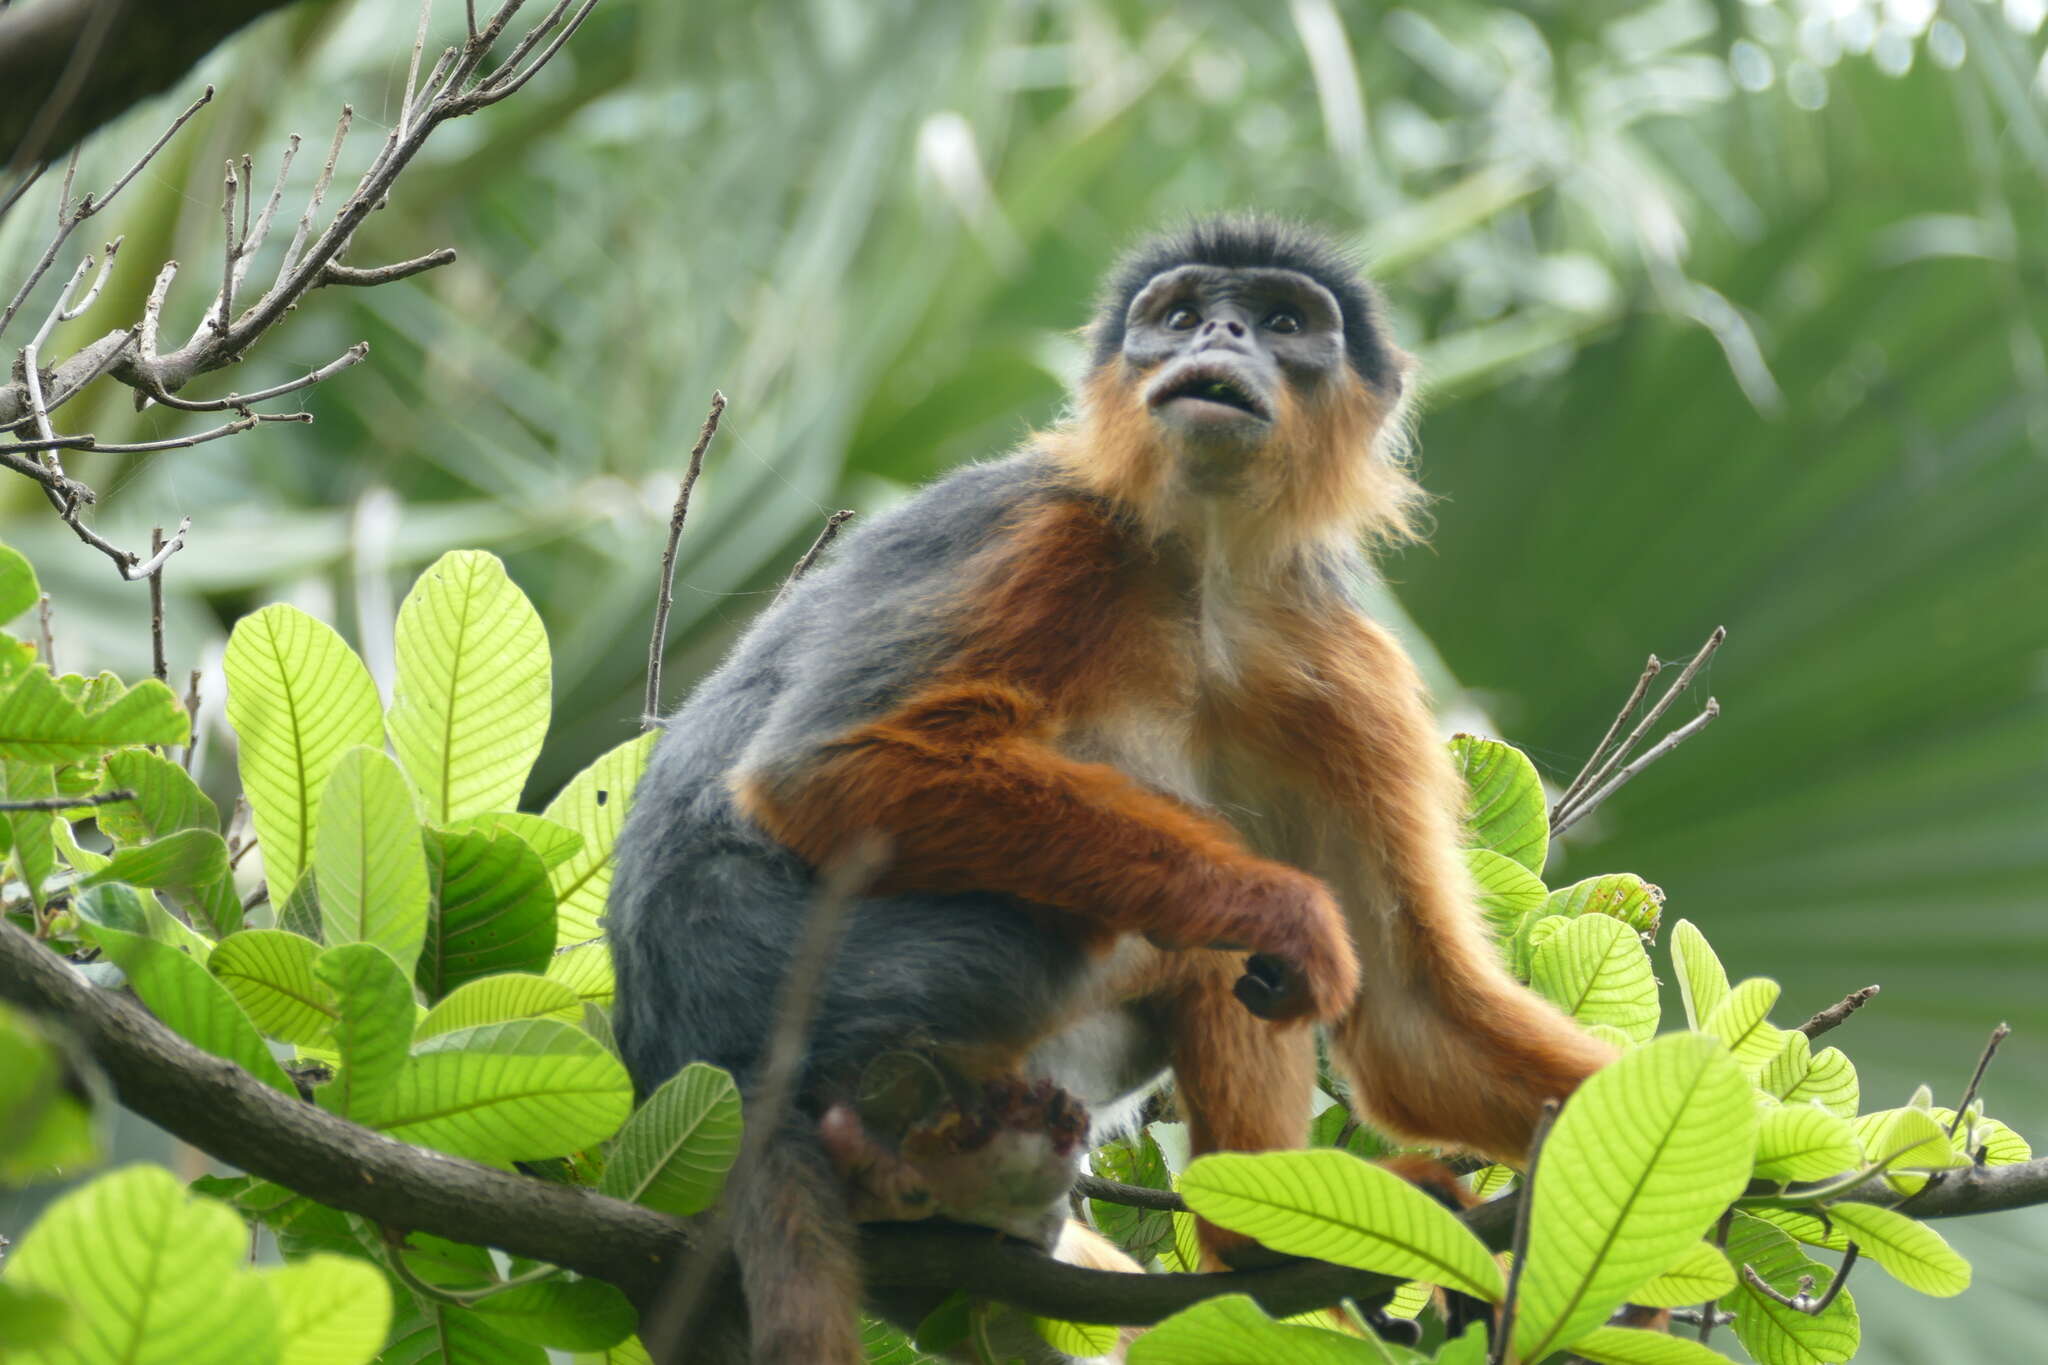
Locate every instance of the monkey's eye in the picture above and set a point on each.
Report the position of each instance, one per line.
(1183, 319)
(1283, 321)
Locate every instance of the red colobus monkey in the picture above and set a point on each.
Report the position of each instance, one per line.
(1159, 795)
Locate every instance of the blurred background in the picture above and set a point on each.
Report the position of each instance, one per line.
(1731, 313)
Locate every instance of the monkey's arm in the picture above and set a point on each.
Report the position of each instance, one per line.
(1443, 1044)
(962, 781)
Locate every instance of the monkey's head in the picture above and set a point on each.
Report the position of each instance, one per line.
(1239, 365)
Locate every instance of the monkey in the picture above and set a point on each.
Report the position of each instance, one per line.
(1159, 796)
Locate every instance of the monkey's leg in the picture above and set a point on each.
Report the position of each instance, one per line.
(1441, 1044)
(1244, 1085)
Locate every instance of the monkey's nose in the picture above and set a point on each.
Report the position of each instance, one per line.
(1232, 325)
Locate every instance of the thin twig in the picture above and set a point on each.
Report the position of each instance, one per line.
(46, 637)
(21, 186)
(1708, 1316)
(1849, 1255)
(1834, 1014)
(412, 71)
(319, 192)
(342, 274)
(1567, 813)
(192, 729)
(67, 802)
(1588, 804)
(497, 88)
(1621, 718)
(1504, 1331)
(225, 306)
(1797, 1302)
(1130, 1196)
(840, 881)
(160, 669)
(1998, 1035)
(825, 537)
(651, 713)
(163, 552)
(352, 356)
(240, 424)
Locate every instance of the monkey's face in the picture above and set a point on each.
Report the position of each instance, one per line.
(1220, 352)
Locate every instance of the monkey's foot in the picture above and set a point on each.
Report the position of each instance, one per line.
(1006, 1159)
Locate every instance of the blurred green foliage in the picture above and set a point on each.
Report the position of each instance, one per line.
(1734, 314)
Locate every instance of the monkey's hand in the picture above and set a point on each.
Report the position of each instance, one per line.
(1302, 964)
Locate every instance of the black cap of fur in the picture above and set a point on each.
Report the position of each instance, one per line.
(1237, 241)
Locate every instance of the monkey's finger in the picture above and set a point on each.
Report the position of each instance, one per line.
(1272, 987)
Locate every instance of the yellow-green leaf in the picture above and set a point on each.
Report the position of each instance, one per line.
(673, 1154)
(1914, 1254)
(1618, 895)
(470, 705)
(585, 969)
(1702, 983)
(372, 1027)
(372, 871)
(1772, 1332)
(298, 699)
(1504, 807)
(270, 974)
(495, 999)
(1802, 1142)
(1335, 1207)
(594, 804)
(1634, 1346)
(1742, 1021)
(1595, 969)
(1699, 1274)
(506, 1092)
(332, 1310)
(1232, 1330)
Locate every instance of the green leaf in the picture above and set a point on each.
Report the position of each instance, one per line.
(1830, 1081)
(1504, 809)
(40, 723)
(298, 699)
(1907, 1139)
(1618, 895)
(31, 834)
(181, 992)
(1914, 1254)
(270, 974)
(496, 999)
(1134, 1160)
(45, 1130)
(1232, 1330)
(428, 1332)
(2000, 1144)
(587, 970)
(556, 844)
(470, 706)
(186, 859)
(1076, 1338)
(18, 588)
(367, 856)
(1770, 1331)
(166, 799)
(673, 1154)
(153, 1275)
(1702, 982)
(331, 1310)
(1742, 1021)
(1633, 1346)
(1699, 1274)
(33, 1317)
(372, 1027)
(1644, 1157)
(1801, 1142)
(1332, 1206)
(1596, 970)
(492, 910)
(594, 804)
(527, 1089)
(565, 1311)
(1508, 892)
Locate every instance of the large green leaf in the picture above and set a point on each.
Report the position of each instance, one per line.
(492, 909)
(18, 587)
(1702, 981)
(504, 1092)
(1803, 1142)
(299, 698)
(153, 1276)
(496, 999)
(373, 1023)
(1644, 1157)
(1700, 1273)
(1505, 809)
(428, 1332)
(1742, 1021)
(585, 969)
(166, 799)
(556, 844)
(1914, 1253)
(366, 855)
(1622, 895)
(30, 834)
(1596, 970)
(45, 1128)
(1330, 1205)
(1509, 893)
(33, 1317)
(1633, 1346)
(270, 974)
(567, 1312)
(470, 707)
(180, 991)
(673, 1154)
(331, 1310)
(41, 723)
(594, 804)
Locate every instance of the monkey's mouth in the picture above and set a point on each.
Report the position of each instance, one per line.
(1206, 384)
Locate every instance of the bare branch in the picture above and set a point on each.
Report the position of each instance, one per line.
(1130, 1196)
(21, 187)
(1998, 1035)
(1588, 804)
(319, 192)
(353, 355)
(161, 554)
(825, 537)
(1834, 1014)
(160, 669)
(192, 748)
(1504, 1330)
(1621, 718)
(412, 71)
(651, 713)
(1572, 807)
(46, 636)
(342, 274)
(497, 88)
(69, 802)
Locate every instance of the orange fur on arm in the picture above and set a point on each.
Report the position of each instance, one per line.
(972, 799)
(1443, 1044)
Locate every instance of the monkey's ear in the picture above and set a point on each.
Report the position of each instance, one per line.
(1402, 369)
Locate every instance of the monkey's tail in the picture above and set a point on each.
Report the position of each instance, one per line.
(798, 1257)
